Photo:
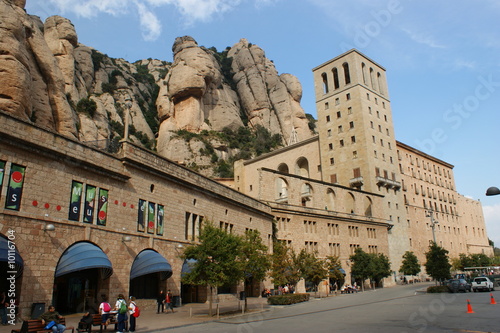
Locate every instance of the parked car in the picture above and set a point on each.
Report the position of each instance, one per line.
(482, 283)
(458, 285)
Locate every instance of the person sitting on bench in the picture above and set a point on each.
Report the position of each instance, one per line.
(53, 316)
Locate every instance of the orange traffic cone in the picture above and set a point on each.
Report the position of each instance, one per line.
(469, 307)
(492, 301)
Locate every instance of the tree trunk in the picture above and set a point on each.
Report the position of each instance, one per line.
(210, 302)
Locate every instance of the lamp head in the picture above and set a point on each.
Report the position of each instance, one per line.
(492, 191)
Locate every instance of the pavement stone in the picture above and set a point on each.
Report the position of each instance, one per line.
(188, 314)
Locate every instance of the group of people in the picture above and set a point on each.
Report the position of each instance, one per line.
(121, 309)
(348, 289)
(165, 300)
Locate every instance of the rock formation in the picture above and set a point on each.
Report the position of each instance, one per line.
(49, 78)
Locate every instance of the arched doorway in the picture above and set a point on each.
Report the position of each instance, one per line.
(149, 271)
(189, 292)
(82, 274)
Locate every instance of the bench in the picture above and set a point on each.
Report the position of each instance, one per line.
(36, 326)
(97, 321)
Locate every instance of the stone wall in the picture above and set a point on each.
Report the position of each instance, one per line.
(52, 162)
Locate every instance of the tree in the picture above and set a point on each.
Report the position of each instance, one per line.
(471, 260)
(437, 264)
(410, 264)
(285, 267)
(381, 267)
(254, 258)
(362, 265)
(334, 269)
(217, 260)
(312, 268)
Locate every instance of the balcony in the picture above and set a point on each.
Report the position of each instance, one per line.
(389, 183)
(356, 182)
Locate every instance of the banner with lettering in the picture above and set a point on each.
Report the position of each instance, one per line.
(88, 212)
(151, 217)
(15, 187)
(75, 201)
(141, 216)
(102, 207)
(159, 220)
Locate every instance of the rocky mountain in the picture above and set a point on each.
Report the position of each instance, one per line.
(49, 78)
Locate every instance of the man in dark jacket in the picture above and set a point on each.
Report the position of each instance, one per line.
(53, 316)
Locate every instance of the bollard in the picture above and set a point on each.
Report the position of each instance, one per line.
(190, 312)
(217, 311)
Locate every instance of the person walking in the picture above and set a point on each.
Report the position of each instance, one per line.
(131, 311)
(104, 309)
(121, 316)
(168, 300)
(160, 300)
(53, 316)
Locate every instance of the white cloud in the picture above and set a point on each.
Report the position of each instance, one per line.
(192, 11)
(492, 218)
(92, 8)
(150, 24)
(460, 64)
(423, 38)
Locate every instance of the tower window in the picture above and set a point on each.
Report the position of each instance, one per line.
(347, 75)
(335, 78)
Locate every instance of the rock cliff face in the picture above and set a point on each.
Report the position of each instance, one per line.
(49, 78)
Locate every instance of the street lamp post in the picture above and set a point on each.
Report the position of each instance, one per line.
(430, 213)
(492, 191)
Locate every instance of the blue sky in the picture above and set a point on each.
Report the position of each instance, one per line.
(442, 60)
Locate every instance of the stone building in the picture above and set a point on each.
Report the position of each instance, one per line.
(85, 223)
(435, 211)
(376, 192)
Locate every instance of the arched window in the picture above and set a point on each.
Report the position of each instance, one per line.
(302, 167)
(281, 190)
(347, 75)
(363, 70)
(380, 84)
(368, 207)
(372, 79)
(351, 204)
(335, 72)
(306, 195)
(330, 194)
(325, 83)
(283, 168)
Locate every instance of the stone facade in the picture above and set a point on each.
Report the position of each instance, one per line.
(458, 222)
(53, 163)
(354, 163)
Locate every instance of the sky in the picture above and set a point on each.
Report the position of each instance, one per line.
(442, 60)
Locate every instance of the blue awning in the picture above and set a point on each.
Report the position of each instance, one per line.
(81, 256)
(187, 266)
(149, 261)
(341, 270)
(11, 256)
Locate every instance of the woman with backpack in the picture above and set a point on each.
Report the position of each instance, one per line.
(104, 309)
(131, 310)
(121, 309)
